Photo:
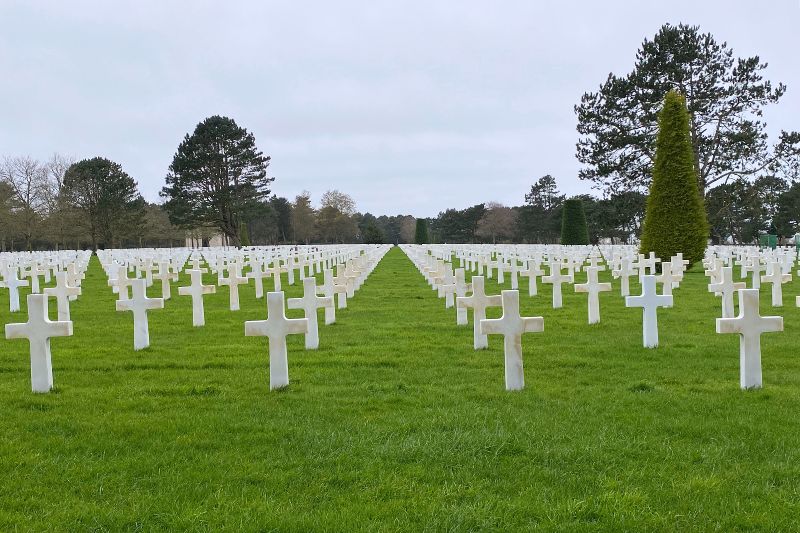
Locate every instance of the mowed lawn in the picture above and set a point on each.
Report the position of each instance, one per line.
(396, 424)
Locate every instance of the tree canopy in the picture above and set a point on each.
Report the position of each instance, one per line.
(725, 96)
(217, 178)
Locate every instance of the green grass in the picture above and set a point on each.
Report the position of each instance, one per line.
(396, 424)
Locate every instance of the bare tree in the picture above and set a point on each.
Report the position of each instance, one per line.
(28, 181)
(498, 222)
(407, 228)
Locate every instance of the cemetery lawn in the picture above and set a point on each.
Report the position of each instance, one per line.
(396, 424)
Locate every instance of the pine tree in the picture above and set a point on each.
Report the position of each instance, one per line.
(675, 220)
(421, 235)
(573, 223)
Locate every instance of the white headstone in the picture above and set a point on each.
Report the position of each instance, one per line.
(512, 326)
(139, 304)
(649, 301)
(749, 324)
(276, 327)
(196, 290)
(593, 288)
(38, 330)
(479, 301)
(309, 303)
(61, 292)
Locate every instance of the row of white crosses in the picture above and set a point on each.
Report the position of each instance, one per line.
(433, 262)
(277, 327)
(511, 325)
(39, 329)
(67, 268)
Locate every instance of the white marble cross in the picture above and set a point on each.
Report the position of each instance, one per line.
(776, 276)
(196, 290)
(668, 278)
(13, 283)
(139, 304)
(61, 292)
(479, 301)
(512, 326)
(556, 279)
(121, 283)
(726, 287)
(749, 325)
(461, 290)
(593, 288)
(624, 272)
(309, 303)
(276, 327)
(275, 271)
(165, 275)
(233, 281)
(330, 289)
(649, 301)
(38, 330)
(258, 274)
(531, 272)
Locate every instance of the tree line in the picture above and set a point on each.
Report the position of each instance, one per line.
(217, 183)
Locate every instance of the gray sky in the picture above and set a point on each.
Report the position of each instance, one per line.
(409, 107)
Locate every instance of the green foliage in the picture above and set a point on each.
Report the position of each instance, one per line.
(726, 97)
(372, 234)
(787, 216)
(217, 178)
(108, 197)
(244, 235)
(573, 223)
(458, 226)
(675, 220)
(421, 234)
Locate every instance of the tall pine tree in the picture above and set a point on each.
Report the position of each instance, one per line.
(216, 178)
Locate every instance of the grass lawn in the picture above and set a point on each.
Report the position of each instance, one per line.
(396, 424)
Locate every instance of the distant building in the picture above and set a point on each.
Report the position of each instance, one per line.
(205, 238)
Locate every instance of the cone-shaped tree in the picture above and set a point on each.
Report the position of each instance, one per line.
(573, 223)
(675, 220)
(244, 235)
(421, 235)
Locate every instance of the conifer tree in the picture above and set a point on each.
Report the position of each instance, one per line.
(675, 219)
(573, 223)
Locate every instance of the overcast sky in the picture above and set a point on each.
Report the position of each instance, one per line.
(409, 107)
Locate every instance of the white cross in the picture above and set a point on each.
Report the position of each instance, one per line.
(34, 274)
(512, 326)
(749, 325)
(776, 276)
(61, 292)
(38, 330)
(196, 290)
(13, 283)
(258, 274)
(233, 281)
(649, 301)
(754, 268)
(556, 278)
(275, 271)
(726, 287)
(479, 301)
(668, 279)
(462, 288)
(139, 304)
(593, 287)
(165, 276)
(531, 272)
(330, 289)
(309, 303)
(276, 327)
(121, 283)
